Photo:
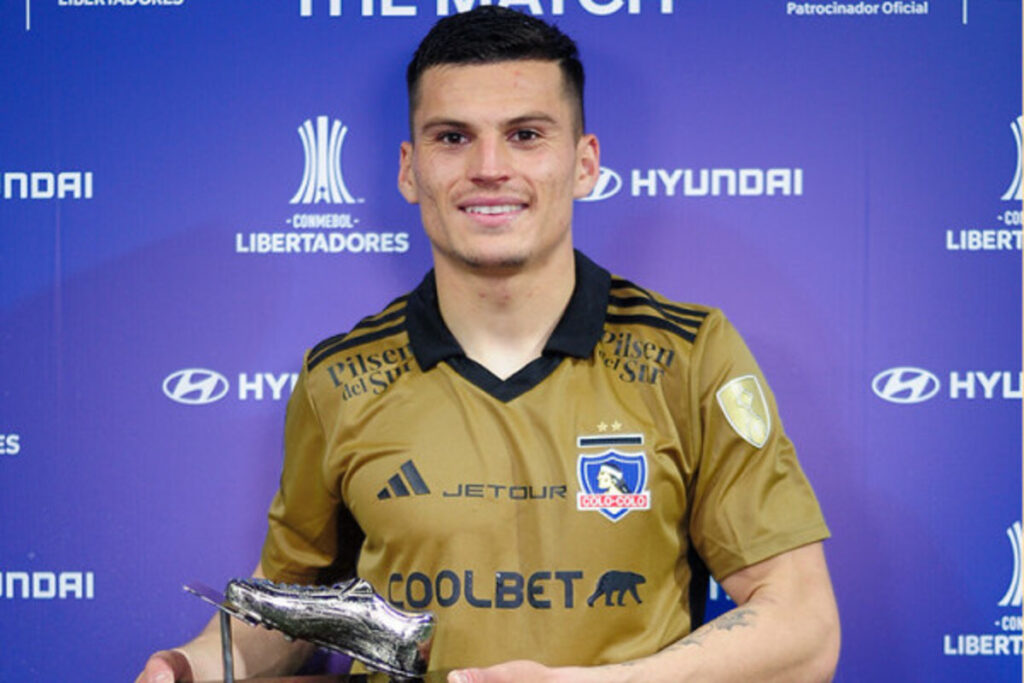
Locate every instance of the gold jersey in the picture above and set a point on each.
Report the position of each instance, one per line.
(568, 514)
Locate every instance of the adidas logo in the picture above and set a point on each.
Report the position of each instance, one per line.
(397, 485)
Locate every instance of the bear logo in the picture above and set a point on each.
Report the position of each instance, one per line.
(612, 582)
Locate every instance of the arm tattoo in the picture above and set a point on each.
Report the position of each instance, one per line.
(739, 617)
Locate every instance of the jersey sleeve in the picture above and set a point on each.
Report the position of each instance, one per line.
(303, 518)
(751, 500)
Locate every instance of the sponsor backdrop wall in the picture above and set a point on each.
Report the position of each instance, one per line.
(194, 192)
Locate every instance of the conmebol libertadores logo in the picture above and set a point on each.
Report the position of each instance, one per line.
(1012, 597)
(1014, 191)
(1000, 637)
(322, 180)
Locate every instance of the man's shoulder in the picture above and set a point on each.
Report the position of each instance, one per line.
(385, 328)
(633, 304)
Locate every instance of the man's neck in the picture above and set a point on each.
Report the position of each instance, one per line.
(502, 320)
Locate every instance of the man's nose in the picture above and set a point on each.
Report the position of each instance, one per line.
(490, 161)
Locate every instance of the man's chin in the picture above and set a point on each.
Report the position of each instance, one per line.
(492, 262)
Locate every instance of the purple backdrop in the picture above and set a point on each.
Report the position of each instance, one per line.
(843, 178)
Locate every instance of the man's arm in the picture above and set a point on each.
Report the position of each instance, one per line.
(785, 628)
(257, 652)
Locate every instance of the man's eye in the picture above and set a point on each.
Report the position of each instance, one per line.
(451, 138)
(525, 135)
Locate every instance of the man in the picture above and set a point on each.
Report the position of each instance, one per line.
(609, 477)
(461, 471)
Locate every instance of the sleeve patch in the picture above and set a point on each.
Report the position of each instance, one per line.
(744, 406)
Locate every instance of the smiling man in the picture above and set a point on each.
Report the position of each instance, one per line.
(496, 160)
(599, 436)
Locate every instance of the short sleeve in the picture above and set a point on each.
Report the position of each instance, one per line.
(303, 518)
(751, 499)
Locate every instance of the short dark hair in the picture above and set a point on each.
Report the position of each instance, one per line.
(489, 34)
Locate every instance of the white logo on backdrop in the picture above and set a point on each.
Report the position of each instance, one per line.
(321, 180)
(1014, 191)
(195, 386)
(10, 444)
(442, 8)
(1013, 593)
(905, 385)
(306, 8)
(47, 185)
(985, 643)
(47, 585)
(608, 185)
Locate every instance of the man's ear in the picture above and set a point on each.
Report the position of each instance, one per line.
(588, 165)
(406, 182)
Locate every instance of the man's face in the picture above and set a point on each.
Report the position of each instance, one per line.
(495, 163)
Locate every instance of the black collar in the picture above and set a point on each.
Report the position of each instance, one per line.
(576, 334)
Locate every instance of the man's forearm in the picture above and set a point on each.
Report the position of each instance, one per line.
(759, 640)
(256, 652)
(786, 628)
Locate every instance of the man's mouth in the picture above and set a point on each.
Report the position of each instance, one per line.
(493, 210)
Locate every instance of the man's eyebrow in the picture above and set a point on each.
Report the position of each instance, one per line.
(532, 117)
(523, 119)
(444, 123)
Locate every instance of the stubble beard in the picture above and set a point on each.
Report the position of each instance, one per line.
(480, 263)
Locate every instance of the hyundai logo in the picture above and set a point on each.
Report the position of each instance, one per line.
(905, 385)
(608, 185)
(195, 386)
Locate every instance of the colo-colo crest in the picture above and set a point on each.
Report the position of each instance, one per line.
(613, 483)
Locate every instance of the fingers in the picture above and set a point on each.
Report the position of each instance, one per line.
(470, 676)
(509, 672)
(166, 666)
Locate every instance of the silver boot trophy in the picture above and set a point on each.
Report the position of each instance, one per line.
(348, 617)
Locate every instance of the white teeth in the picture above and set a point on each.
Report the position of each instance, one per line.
(491, 210)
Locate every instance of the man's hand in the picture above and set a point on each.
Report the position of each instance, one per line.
(166, 666)
(523, 670)
(509, 672)
(257, 652)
